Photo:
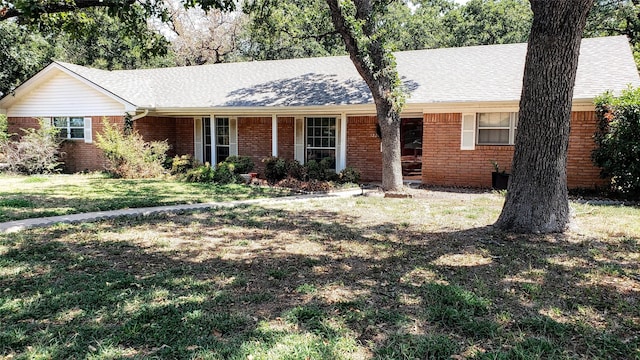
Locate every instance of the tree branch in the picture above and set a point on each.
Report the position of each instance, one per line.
(351, 43)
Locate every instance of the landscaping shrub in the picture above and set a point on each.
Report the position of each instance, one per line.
(225, 173)
(275, 169)
(296, 170)
(323, 170)
(37, 151)
(349, 175)
(129, 156)
(200, 174)
(4, 135)
(242, 164)
(181, 164)
(305, 186)
(4, 128)
(617, 140)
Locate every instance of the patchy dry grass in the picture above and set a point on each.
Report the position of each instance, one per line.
(23, 197)
(358, 278)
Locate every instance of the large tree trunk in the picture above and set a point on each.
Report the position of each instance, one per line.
(378, 70)
(537, 199)
(389, 121)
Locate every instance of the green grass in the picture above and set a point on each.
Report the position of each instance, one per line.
(356, 278)
(23, 197)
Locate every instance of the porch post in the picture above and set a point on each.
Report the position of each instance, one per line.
(274, 135)
(342, 163)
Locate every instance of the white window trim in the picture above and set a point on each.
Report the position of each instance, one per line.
(86, 127)
(513, 117)
(233, 137)
(336, 120)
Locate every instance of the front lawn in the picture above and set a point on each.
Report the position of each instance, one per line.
(24, 197)
(354, 278)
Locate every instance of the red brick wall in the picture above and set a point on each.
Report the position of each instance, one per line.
(286, 146)
(254, 139)
(581, 173)
(158, 129)
(184, 136)
(443, 163)
(76, 154)
(80, 156)
(17, 123)
(363, 147)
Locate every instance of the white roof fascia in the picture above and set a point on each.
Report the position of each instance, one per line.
(410, 110)
(45, 73)
(583, 105)
(266, 111)
(460, 107)
(506, 106)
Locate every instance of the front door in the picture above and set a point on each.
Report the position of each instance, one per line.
(411, 152)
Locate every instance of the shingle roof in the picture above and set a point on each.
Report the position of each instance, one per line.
(468, 74)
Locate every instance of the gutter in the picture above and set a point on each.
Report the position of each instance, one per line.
(145, 113)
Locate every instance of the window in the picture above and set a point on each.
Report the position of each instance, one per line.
(497, 128)
(206, 132)
(321, 139)
(70, 127)
(222, 139)
(221, 136)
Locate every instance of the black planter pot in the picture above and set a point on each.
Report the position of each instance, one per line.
(499, 180)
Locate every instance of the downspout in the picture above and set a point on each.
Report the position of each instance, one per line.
(128, 121)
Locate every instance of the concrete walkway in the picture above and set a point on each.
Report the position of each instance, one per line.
(18, 225)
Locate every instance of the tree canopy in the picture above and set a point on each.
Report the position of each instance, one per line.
(302, 28)
(88, 37)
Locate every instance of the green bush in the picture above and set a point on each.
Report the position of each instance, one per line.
(36, 152)
(349, 175)
(242, 164)
(324, 170)
(200, 174)
(181, 164)
(296, 170)
(129, 156)
(4, 128)
(225, 173)
(4, 136)
(275, 169)
(618, 140)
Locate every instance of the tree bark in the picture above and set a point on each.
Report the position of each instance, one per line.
(378, 72)
(389, 121)
(537, 197)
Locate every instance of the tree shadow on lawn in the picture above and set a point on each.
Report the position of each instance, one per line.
(274, 283)
(110, 194)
